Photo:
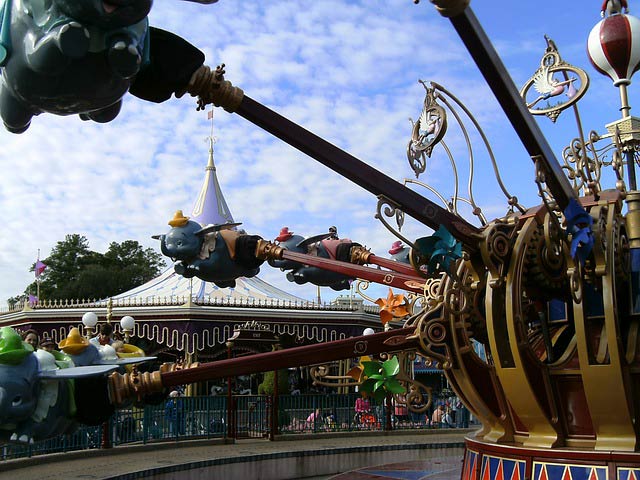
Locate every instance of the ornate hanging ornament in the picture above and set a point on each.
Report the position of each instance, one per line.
(556, 85)
(427, 131)
(613, 47)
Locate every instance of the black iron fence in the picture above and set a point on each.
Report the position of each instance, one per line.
(186, 418)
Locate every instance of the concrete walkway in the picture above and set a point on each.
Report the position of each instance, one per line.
(289, 457)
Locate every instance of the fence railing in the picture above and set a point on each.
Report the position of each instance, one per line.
(175, 300)
(187, 418)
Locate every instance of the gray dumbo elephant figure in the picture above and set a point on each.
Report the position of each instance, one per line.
(82, 56)
(214, 253)
(325, 245)
(37, 397)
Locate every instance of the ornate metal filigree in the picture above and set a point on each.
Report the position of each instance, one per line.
(321, 375)
(496, 248)
(582, 166)
(543, 189)
(416, 391)
(418, 396)
(360, 287)
(429, 131)
(426, 132)
(565, 91)
(431, 300)
(545, 263)
(430, 328)
(387, 208)
(432, 335)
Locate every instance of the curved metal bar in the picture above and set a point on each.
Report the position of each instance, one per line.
(431, 189)
(576, 113)
(513, 200)
(456, 178)
(469, 150)
(362, 285)
(477, 213)
(381, 201)
(488, 62)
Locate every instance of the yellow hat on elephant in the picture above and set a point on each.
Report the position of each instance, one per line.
(178, 220)
(74, 343)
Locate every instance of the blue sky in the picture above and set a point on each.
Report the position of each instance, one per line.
(346, 70)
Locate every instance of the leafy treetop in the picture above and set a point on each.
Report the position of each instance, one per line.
(76, 272)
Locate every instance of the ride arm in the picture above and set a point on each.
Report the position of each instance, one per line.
(136, 385)
(267, 250)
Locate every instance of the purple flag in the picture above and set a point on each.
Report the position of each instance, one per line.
(40, 267)
(33, 300)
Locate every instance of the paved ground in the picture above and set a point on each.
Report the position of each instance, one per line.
(434, 469)
(124, 462)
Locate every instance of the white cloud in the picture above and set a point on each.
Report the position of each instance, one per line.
(346, 70)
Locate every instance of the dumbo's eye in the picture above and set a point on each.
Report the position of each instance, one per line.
(179, 243)
(16, 401)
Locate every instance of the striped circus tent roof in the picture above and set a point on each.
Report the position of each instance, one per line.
(169, 285)
(210, 207)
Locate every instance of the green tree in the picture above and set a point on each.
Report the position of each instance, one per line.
(267, 385)
(131, 264)
(76, 272)
(68, 258)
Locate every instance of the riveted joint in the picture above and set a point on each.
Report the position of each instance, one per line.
(211, 88)
(360, 255)
(266, 250)
(123, 388)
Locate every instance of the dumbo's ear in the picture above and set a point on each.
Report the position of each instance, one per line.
(77, 372)
(157, 237)
(125, 361)
(215, 228)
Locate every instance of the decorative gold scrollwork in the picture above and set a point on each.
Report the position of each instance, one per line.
(545, 263)
(360, 347)
(416, 391)
(582, 169)
(321, 375)
(432, 335)
(387, 208)
(418, 396)
(426, 132)
(575, 282)
(550, 81)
